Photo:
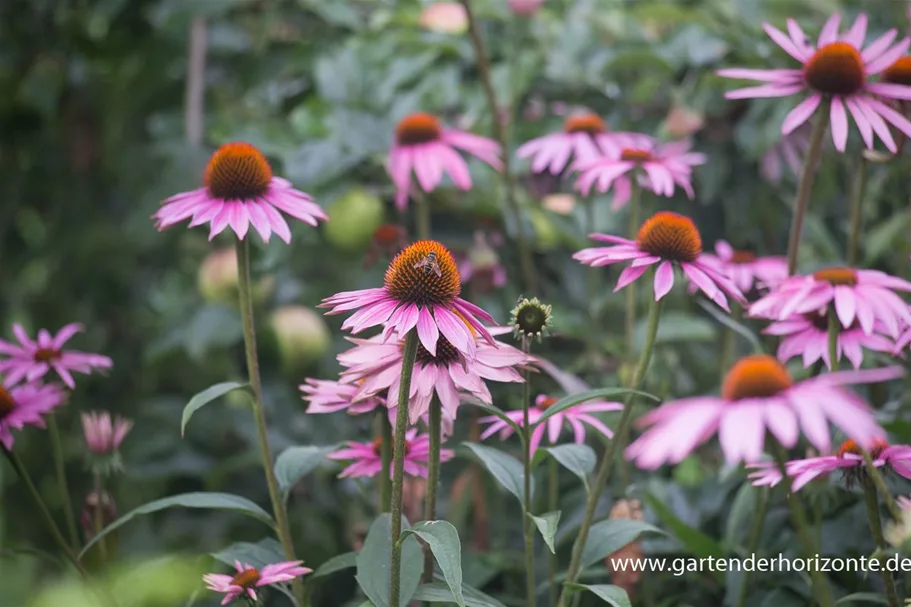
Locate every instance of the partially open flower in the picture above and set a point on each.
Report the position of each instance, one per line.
(301, 335)
(531, 319)
(103, 434)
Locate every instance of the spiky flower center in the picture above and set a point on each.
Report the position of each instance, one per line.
(246, 578)
(851, 446)
(635, 155)
(899, 72)
(46, 355)
(378, 446)
(418, 128)
(670, 236)
(237, 171)
(446, 354)
(836, 69)
(743, 257)
(584, 123)
(837, 276)
(7, 404)
(424, 273)
(531, 318)
(758, 376)
(546, 403)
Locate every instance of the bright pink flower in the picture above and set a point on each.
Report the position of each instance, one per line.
(848, 459)
(759, 394)
(421, 289)
(584, 138)
(422, 145)
(836, 71)
(326, 396)
(249, 578)
(367, 460)
(26, 405)
(102, 435)
(657, 166)
(746, 270)
(667, 239)
(865, 296)
(34, 359)
(577, 417)
(239, 190)
(807, 335)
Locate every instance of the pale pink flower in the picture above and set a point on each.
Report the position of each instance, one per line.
(367, 459)
(583, 139)
(790, 150)
(444, 18)
(102, 434)
(759, 395)
(666, 239)
(424, 147)
(836, 71)
(26, 405)
(34, 359)
(239, 191)
(249, 578)
(577, 417)
(746, 270)
(865, 296)
(807, 335)
(327, 396)
(525, 7)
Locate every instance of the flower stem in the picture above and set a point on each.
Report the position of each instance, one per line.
(553, 489)
(806, 185)
(880, 483)
(386, 458)
(727, 346)
(259, 414)
(398, 464)
(527, 525)
(821, 588)
(632, 288)
(860, 188)
(615, 446)
(433, 479)
(423, 217)
(99, 518)
(876, 527)
(762, 506)
(499, 126)
(62, 485)
(833, 323)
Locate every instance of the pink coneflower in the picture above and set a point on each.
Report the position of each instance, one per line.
(481, 266)
(867, 296)
(584, 138)
(34, 359)
(667, 239)
(422, 145)
(849, 460)
(657, 166)
(747, 270)
(239, 190)
(103, 435)
(367, 457)
(790, 151)
(26, 405)
(249, 578)
(326, 396)
(377, 366)
(525, 7)
(836, 71)
(759, 394)
(421, 289)
(577, 417)
(807, 335)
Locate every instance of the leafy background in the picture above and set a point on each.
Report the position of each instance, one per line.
(97, 131)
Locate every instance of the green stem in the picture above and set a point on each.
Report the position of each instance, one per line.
(834, 327)
(259, 413)
(527, 526)
(880, 483)
(433, 479)
(631, 289)
(727, 346)
(499, 127)
(857, 211)
(398, 464)
(806, 184)
(385, 458)
(615, 446)
(821, 588)
(762, 506)
(423, 217)
(876, 527)
(62, 485)
(553, 504)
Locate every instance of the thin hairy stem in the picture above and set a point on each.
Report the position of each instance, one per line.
(553, 504)
(806, 185)
(833, 329)
(62, 485)
(527, 524)
(386, 458)
(762, 506)
(876, 527)
(632, 229)
(433, 479)
(857, 210)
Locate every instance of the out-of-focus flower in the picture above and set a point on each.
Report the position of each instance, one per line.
(807, 335)
(424, 147)
(481, 266)
(898, 533)
(667, 239)
(326, 396)
(790, 150)
(561, 204)
(836, 71)
(355, 215)
(388, 240)
(218, 281)
(301, 334)
(34, 359)
(98, 511)
(746, 270)
(248, 578)
(444, 18)
(525, 7)
(26, 405)
(531, 319)
(758, 394)
(421, 289)
(583, 139)
(103, 434)
(618, 562)
(239, 191)
(366, 458)
(682, 122)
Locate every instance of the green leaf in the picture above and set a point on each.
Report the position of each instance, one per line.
(207, 396)
(697, 542)
(578, 459)
(547, 525)
(373, 563)
(571, 401)
(609, 536)
(741, 512)
(613, 595)
(439, 592)
(199, 499)
(496, 412)
(294, 463)
(863, 597)
(447, 550)
(262, 553)
(336, 563)
(716, 313)
(506, 469)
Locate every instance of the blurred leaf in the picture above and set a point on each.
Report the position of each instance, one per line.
(578, 459)
(439, 592)
(547, 525)
(862, 597)
(447, 550)
(506, 469)
(742, 510)
(262, 553)
(373, 563)
(207, 396)
(677, 327)
(294, 463)
(211, 327)
(608, 536)
(881, 239)
(571, 401)
(613, 595)
(694, 540)
(336, 563)
(722, 317)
